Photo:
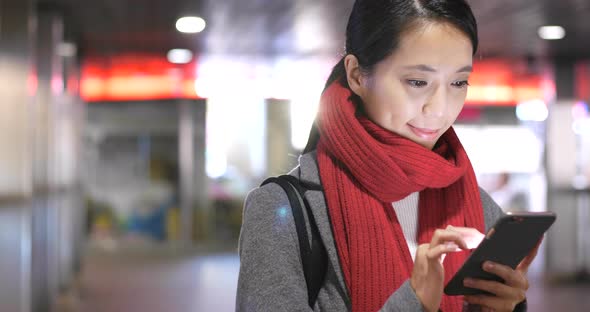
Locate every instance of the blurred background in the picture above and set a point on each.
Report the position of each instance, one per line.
(131, 131)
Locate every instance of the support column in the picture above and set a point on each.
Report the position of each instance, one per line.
(186, 164)
(69, 129)
(568, 194)
(16, 88)
(193, 179)
(279, 154)
(48, 204)
(17, 35)
(50, 91)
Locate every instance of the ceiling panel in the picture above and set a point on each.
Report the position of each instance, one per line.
(273, 27)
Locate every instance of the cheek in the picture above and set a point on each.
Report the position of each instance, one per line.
(457, 105)
(391, 105)
(400, 104)
(397, 111)
(408, 106)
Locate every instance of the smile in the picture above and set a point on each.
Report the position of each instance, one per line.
(427, 134)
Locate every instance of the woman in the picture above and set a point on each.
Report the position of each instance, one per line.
(398, 193)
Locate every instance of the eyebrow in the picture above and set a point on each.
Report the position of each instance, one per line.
(426, 68)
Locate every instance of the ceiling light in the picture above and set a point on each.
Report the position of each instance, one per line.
(551, 32)
(190, 24)
(179, 56)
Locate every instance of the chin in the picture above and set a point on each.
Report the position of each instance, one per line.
(427, 144)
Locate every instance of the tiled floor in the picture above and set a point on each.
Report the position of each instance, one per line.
(157, 281)
(151, 282)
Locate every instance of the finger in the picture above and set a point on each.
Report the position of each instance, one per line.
(523, 266)
(471, 236)
(444, 236)
(499, 289)
(511, 277)
(490, 302)
(421, 251)
(437, 252)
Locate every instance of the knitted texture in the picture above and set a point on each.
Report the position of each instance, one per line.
(364, 168)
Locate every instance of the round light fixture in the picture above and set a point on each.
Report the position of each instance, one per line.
(551, 32)
(190, 24)
(179, 56)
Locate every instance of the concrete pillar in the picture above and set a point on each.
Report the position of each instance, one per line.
(186, 164)
(15, 257)
(193, 178)
(280, 157)
(68, 122)
(50, 91)
(17, 35)
(567, 248)
(16, 88)
(47, 216)
(78, 116)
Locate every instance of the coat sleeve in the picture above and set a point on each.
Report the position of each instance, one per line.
(271, 274)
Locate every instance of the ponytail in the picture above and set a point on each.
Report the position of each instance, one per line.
(338, 74)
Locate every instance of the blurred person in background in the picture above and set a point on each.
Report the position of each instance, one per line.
(507, 195)
(392, 190)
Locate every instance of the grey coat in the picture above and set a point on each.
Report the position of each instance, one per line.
(271, 274)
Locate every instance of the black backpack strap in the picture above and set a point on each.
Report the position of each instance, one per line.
(317, 262)
(314, 258)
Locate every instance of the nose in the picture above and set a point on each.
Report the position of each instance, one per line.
(436, 105)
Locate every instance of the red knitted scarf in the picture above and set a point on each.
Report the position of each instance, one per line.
(364, 168)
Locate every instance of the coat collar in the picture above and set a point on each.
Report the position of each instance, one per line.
(309, 172)
(309, 175)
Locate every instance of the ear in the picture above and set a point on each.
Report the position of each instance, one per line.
(354, 76)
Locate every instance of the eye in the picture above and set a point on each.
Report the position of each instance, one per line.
(461, 84)
(417, 83)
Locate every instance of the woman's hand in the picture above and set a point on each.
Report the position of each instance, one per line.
(507, 294)
(428, 275)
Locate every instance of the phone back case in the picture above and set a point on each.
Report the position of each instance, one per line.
(507, 242)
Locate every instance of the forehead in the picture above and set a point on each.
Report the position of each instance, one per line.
(436, 44)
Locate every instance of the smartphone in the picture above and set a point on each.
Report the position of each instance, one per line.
(510, 240)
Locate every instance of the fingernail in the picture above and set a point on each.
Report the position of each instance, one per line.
(489, 265)
(468, 282)
(452, 246)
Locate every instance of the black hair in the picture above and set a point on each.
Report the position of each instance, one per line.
(375, 28)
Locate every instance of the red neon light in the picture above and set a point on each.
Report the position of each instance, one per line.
(502, 83)
(145, 77)
(136, 77)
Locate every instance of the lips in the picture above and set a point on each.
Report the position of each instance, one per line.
(425, 133)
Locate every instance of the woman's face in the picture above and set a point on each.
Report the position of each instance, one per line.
(419, 90)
